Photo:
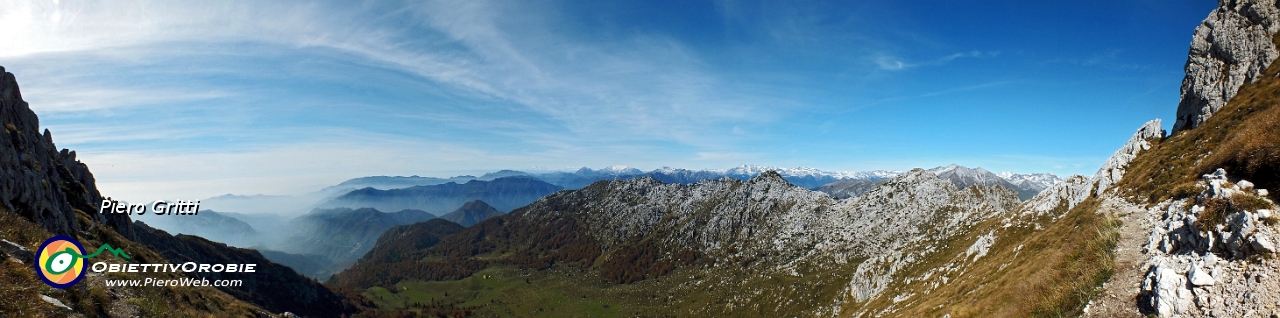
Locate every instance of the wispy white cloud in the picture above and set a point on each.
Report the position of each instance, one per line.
(509, 88)
(640, 87)
(891, 63)
(47, 100)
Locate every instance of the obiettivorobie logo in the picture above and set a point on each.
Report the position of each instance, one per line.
(60, 260)
(61, 263)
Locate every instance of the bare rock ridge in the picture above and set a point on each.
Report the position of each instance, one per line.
(845, 189)
(836, 253)
(1078, 188)
(1229, 49)
(1113, 169)
(36, 180)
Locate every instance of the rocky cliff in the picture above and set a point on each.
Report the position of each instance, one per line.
(1232, 47)
(36, 180)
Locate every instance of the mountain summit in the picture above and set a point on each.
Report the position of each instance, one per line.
(471, 213)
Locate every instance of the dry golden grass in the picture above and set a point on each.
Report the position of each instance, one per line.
(1050, 272)
(19, 288)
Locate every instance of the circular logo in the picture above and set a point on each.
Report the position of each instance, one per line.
(59, 261)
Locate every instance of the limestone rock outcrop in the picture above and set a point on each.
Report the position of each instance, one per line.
(1076, 189)
(1114, 168)
(1229, 49)
(1200, 265)
(36, 180)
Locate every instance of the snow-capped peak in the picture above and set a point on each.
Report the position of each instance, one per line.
(751, 170)
(618, 169)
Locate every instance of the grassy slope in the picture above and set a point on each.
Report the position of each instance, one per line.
(20, 290)
(569, 291)
(1050, 272)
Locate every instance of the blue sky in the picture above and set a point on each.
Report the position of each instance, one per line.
(186, 100)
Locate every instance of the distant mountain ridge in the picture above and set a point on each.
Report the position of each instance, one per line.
(395, 182)
(343, 234)
(504, 194)
(226, 228)
(805, 177)
(1027, 185)
(46, 192)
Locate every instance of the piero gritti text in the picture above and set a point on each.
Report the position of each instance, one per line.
(159, 207)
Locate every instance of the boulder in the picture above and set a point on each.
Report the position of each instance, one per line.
(1244, 185)
(1199, 277)
(1167, 291)
(1262, 244)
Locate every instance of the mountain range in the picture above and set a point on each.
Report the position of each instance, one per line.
(1170, 225)
(726, 242)
(1027, 186)
(342, 235)
(504, 194)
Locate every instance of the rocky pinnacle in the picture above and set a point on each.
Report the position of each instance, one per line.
(1232, 47)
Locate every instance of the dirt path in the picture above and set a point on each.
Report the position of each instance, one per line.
(1119, 296)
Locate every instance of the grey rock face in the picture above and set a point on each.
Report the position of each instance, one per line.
(845, 189)
(1064, 195)
(1114, 168)
(1229, 49)
(36, 180)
